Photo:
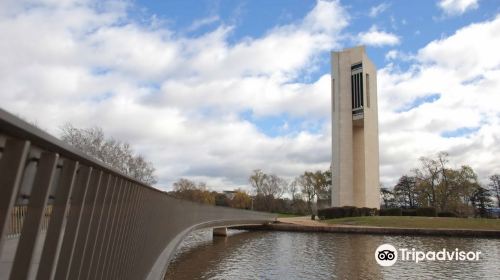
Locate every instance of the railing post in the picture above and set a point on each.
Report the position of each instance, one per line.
(104, 228)
(128, 226)
(95, 224)
(56, 223)
(72, 226)
(84, 228)
(121, 231)
(116, 227)
(36, 206)
(11, 168)
(137, 234)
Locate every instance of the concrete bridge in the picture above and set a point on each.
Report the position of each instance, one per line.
(84, 220)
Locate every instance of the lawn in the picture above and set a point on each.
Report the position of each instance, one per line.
(419, 222)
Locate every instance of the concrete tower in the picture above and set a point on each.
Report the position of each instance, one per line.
(355, 166)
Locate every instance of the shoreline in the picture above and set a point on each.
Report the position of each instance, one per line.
(315, 226)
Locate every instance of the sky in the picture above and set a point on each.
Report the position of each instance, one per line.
(211, 90)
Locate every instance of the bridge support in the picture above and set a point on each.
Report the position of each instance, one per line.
(221, 231)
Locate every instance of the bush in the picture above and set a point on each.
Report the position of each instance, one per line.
(390, 212)
(365, 211)
(409, 212)
(447, 214)
(345, 211)
(426, 212)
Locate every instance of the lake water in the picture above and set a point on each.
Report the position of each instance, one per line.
(295, 255)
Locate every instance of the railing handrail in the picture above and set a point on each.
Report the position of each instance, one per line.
(19, 128)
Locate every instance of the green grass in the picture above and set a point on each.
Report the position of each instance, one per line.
(419, 222)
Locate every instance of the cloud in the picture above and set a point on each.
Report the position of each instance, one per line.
(203, 22)
(177, 98)
(457, 7)
(445, 101)
(377, 38)
(396, 55)
(377, 10)
(183, 100)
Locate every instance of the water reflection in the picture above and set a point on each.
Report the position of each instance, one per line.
(291, 255)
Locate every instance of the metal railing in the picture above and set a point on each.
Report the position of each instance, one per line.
(17, 218)
(64, 215)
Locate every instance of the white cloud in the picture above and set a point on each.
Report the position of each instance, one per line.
(176, 98)
(457, 7)
(203, 22)
(377, 38)
(393, 55)
(377, 10)
(468, 88)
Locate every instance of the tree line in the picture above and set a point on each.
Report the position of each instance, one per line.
(436, 184)
(269, 192)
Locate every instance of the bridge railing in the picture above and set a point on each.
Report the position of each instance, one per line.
(64, 215)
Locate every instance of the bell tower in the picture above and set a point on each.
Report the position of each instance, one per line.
(355, 152)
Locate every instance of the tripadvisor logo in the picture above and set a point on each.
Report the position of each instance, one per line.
(387, 255)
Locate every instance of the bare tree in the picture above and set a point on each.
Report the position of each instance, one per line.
(428, 178)
(495, 187)
(184, 185)
(112, 152)
(268, 185)
(275, 186)
(258, 180)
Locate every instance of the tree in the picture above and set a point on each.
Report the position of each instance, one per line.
(274, 186)
(241, 200)
(495, 187)
(187, 189)
(481, 201)
(306, 183)
(112, 152)
(312, 185)
(268, 184)
(258, 180)
(268, 188)
(387, 197)
(428, 179)
(405, 191)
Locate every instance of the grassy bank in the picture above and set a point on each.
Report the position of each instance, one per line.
(418, 222)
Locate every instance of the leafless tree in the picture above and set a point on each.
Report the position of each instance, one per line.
(184, 185)
(112, 152)
(268, 185)
(258, 180)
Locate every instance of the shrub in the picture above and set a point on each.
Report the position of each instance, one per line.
(350, 211)
(390, 212)
(345, 211)
(365, 211)
(426, 212)
(447, 214)
(409, 212)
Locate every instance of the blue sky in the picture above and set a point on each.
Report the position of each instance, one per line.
(415, 23)
(211, 90)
